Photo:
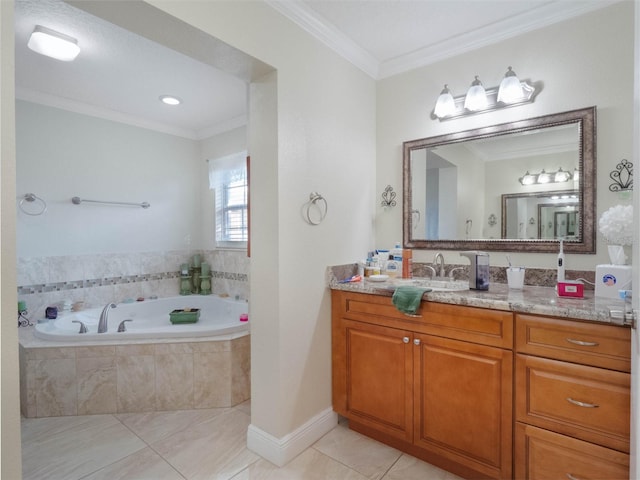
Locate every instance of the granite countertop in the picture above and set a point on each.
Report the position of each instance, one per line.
(531, 299)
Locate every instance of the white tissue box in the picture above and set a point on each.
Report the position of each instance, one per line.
(612, 278)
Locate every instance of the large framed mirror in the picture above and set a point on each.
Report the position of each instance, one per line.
(498, 187)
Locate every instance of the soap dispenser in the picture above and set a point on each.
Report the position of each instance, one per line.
(479, 270)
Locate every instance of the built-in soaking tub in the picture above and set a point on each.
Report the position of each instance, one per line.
(149, 319)
(153, 366)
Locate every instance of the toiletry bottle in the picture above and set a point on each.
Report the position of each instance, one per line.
(561, 263)
(397, 258)
(391, 268)
(407, 263)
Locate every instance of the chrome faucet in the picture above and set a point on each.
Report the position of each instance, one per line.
(102, 324)
(439, 258)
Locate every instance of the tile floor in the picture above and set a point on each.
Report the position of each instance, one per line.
(208, 444)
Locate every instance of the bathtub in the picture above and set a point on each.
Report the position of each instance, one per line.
(149, 320)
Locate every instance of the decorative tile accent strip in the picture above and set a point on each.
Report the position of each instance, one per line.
(101, 282)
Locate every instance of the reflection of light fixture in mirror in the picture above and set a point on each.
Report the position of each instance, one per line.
(510, 88)
(445, 105)
(527, 179)
(476, 98)
(543, 177)
(560, 176)
(53, 44)
(510, 93)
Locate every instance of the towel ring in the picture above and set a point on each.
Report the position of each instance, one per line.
(30, 198)
(314, 198)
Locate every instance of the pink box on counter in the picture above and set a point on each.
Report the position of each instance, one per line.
(570, 288)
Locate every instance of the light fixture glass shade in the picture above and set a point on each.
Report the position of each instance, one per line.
(445, 105)
(528, 179)
(544, 177)
(510, 90)
(53, 44)
(561, 176)
(476, 98)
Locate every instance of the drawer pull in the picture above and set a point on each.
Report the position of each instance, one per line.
(582, 343)
(412, 315)
(416, 341)
(405, 339)
(582, 404)
(572, 477)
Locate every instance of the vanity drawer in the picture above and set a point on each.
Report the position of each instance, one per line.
(543, 455)
(592, 404)
(471, 324)
(605, 346)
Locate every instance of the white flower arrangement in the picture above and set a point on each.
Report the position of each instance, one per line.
(616, 225)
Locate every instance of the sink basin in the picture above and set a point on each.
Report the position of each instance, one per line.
(434, 285)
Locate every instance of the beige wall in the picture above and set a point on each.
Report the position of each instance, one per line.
(582, 62)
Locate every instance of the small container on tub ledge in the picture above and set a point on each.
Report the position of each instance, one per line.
(185, 315)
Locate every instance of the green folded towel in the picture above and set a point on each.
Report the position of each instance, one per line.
(407, 298)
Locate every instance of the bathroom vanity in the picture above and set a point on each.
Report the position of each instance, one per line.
(496, 384)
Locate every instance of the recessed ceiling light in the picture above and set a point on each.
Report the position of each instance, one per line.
(170, 100)
(53, 44)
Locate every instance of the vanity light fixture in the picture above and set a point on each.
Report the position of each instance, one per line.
(170, 100)
(53, 44)
(543, 177)
(510, 93)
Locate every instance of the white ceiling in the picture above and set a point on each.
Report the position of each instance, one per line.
(120, 75)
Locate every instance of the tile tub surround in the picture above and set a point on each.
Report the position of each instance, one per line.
(99, 279)
(58, 380)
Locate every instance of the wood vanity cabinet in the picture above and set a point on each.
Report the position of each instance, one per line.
(437, 385)
(572, 399)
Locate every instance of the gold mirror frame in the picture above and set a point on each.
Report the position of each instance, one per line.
(586, 121)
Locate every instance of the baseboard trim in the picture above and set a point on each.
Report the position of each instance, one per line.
(281, 451)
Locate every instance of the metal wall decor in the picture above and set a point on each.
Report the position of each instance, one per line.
(622, 176)
(388, 197)
(492, 220)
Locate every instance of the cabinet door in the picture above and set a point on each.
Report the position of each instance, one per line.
(463, 403)
(544, 455)
(379, 378)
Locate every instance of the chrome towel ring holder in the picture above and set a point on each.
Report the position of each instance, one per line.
(32, 198)
(318, 201)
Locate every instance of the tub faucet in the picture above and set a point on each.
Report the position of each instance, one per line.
(102, 324)
(439, 258)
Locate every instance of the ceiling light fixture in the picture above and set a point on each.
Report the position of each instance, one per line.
(510, 93)
(53, 44)
(170, 100)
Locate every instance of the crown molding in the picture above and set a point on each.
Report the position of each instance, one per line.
(106, 114)
(328, 34)
(545, 15)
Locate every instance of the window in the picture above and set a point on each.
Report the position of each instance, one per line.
(228, 177)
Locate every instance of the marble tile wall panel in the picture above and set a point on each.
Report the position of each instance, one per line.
(101, 379)
(98, 279)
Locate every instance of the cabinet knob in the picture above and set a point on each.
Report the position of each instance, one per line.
(416, 341)
(405, 339)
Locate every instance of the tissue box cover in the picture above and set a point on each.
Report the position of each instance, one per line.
(185, 315)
